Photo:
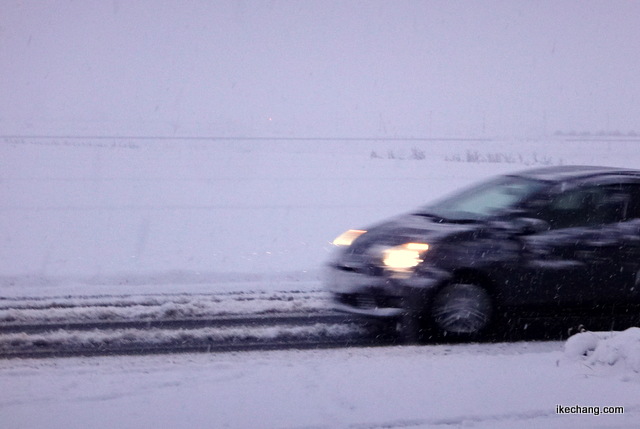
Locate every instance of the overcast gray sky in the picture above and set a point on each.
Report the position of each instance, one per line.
(319, 68)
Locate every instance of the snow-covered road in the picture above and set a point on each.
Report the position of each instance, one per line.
(489, 386)
(162, 323)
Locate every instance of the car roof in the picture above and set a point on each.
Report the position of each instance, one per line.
(574, 172)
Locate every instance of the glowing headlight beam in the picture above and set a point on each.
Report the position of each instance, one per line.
(346, 238)
(404, 257)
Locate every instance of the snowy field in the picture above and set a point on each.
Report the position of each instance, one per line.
(197, 216)
(78, 214)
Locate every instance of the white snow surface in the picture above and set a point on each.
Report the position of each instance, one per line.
(493, 386)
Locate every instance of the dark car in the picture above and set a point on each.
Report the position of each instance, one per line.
(552, 241)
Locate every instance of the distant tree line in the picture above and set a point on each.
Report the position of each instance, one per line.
(601, 133)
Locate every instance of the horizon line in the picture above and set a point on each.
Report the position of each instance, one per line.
(186, 137)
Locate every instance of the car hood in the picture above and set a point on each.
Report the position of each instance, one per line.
(409, 228)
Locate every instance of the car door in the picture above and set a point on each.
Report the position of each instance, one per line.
(588, 256)
(615, 247)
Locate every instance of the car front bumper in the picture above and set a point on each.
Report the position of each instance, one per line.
(380, 296)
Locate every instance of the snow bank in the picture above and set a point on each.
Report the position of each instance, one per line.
(607, 352)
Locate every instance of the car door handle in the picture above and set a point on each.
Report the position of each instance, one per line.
(585, 254)
(602, 243)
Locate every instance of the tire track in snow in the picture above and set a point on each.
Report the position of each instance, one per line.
(102, 325)
(88, 309)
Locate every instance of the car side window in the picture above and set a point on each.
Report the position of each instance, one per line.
(592, 206)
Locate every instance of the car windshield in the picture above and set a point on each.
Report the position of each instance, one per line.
(483, 201)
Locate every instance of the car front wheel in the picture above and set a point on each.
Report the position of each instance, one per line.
(462, 309)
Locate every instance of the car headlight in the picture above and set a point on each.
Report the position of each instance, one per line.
(348, 237)
(403, 258)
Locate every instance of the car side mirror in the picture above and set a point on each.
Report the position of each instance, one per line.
(529, 225)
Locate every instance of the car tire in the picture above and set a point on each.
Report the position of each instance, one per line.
(462, 309)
